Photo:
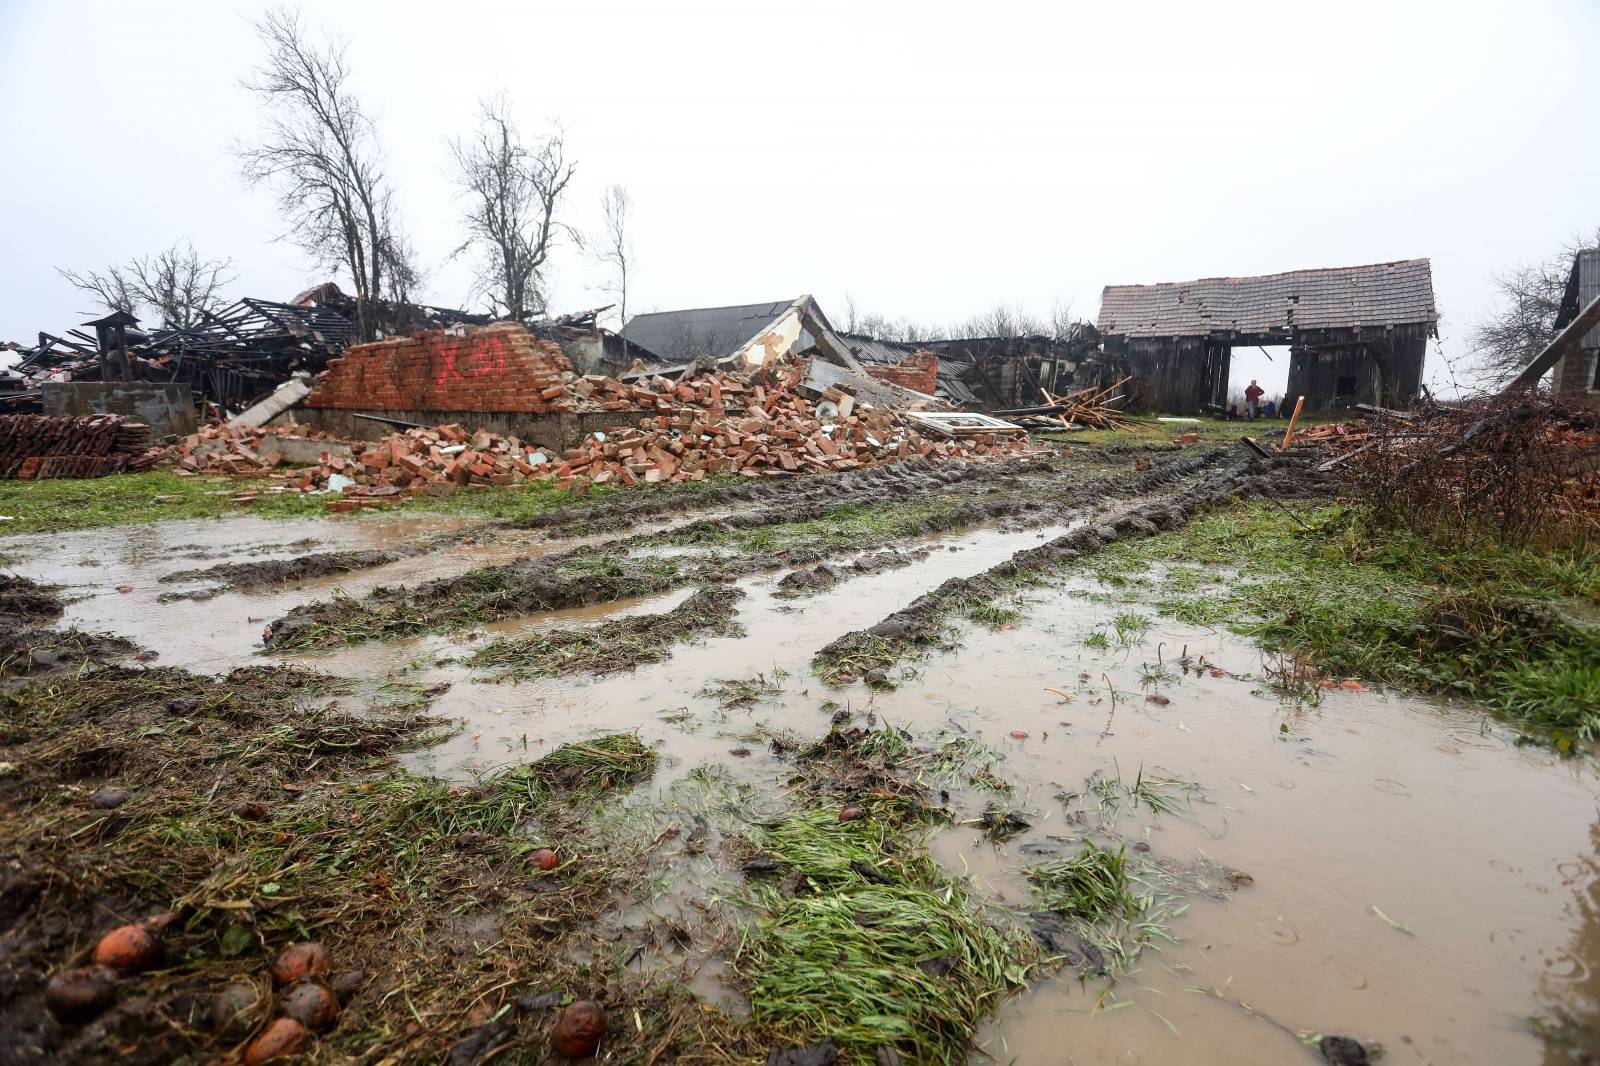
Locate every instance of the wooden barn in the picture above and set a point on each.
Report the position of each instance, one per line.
(1356, 334)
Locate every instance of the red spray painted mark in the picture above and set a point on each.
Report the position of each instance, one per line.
(487, 359)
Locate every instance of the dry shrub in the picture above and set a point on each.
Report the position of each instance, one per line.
(1523, 469)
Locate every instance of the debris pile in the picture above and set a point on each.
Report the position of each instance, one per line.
(1087, 408)
(1524, 465)
(713, 423)
(58, 446)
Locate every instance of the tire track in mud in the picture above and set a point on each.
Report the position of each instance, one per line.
(921, 624)
(599, 573)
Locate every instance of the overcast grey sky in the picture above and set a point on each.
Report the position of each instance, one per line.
(929, 158)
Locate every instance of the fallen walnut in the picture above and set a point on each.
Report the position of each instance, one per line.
(128, 949)
(577, 1035)
(312, 1004)
(298, 962)
(80, 994)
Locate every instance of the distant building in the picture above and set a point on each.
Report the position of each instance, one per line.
(1356, 334)
(1578, 374)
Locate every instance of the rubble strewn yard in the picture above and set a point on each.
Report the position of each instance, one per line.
(876, 765)
(461, 703)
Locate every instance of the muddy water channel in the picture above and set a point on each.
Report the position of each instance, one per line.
(1352, 862)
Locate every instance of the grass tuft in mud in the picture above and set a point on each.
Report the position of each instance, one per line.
(620, 644)
(486, 594)
(871, 946)
(1511, 627)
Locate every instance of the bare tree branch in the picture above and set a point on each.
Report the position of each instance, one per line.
(615, 249)
(176, 284)
(512, 192)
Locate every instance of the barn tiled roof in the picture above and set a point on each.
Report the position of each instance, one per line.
(1367, 297)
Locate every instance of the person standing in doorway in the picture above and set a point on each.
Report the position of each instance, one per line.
(1252, 399)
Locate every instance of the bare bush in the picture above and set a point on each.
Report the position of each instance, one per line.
(1521, 469)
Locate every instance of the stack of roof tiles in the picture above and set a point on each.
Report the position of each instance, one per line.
(52, 446)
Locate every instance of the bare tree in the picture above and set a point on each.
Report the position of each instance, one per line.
(1002, 321)
(176, 284)
(320, 152)
(1061, 321)
(512, 193)
(1530, 296)
(615, 249)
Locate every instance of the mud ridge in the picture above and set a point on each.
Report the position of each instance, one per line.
(268, 572)
(873, 482)
(994, 499)
(30, 647)
(595, 574)
(620, 644)
(824, 576)
(921, 623)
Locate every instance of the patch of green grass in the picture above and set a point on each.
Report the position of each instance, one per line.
(60, 504)
(584, 766)
(1098, 640)
(877, 949)
(1130, 627)
(745, 691)
(1094, 893)
(987, 612)
(1092, 885)
(968, 758)
(1509, 627)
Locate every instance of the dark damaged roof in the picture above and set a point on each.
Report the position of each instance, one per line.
(717, 331)
(1358, 297)
(893, 353)
(1583, 285)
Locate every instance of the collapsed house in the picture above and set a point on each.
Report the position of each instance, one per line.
(1578, 372)
(987, 373)
(1355, 334)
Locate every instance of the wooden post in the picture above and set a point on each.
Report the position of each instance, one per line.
(1288, 434)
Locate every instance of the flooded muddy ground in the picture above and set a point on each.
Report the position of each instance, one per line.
(1067, 826)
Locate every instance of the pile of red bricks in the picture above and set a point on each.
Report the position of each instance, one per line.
(756, 430)
(713, 423)
(51, 446)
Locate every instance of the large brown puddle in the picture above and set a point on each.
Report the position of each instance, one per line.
(1418, 878)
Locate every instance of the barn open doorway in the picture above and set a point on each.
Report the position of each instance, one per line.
(1268, 366)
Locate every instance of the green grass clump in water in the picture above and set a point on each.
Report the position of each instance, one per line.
(1092, 886)
(876, 950)
(585, 766)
